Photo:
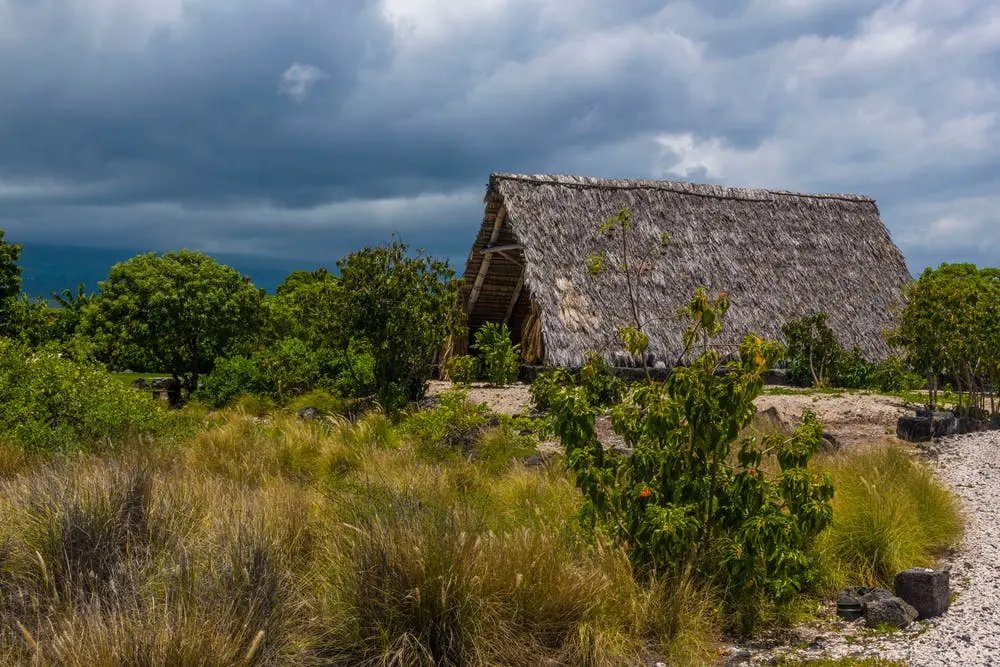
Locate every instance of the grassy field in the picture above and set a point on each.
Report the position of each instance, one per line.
(274, 541)
(129, 378)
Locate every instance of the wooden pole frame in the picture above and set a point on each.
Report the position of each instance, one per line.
(487, 258)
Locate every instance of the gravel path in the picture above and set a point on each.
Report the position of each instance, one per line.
(969, 634)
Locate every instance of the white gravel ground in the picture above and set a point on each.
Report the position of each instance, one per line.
(969, 634)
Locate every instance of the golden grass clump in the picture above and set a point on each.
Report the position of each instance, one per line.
(890, 514)
(275, 541)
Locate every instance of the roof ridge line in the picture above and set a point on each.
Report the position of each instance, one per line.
(672, 186)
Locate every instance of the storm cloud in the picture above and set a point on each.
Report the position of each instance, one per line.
(300, 129)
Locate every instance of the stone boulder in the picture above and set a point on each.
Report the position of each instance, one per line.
(308, 414)
(864, 594)
(943, 423)
(891, 611)
(926, 425)
(926, 590)
(913, 429)
(879, 606)
(141, 383)
(161, 384)
(830, 443)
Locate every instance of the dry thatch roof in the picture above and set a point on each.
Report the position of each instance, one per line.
(777, 254)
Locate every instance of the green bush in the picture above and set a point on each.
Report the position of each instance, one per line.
(853, 371)
(813, 350)
(681, 502)
(597, 378)
(462, 369)
(230, 378)
(322, 400)
(287, 369)
(893, 375)
(401, 309)
(501, 357)
(602, 387)
(449, 430)
(546, 385)
(51, 403)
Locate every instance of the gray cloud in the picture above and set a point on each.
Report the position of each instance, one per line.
(298, 81)
(300, 130)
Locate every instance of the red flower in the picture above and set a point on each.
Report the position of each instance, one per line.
(723, 295)
(646, 493)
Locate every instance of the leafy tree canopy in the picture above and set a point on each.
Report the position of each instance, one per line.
(182, 309)
(950, 325)
(10, 279)
(401, 309)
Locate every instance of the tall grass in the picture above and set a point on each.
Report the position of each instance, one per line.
(285, 542)
(890, 513)
(261, 540)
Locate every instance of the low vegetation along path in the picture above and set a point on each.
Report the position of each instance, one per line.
(969, 634)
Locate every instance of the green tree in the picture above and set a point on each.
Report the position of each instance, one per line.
(950, 325)
(10, 282)
(69, 314)
(633, 255)
(304, 307)
(183, 309)
(400, 309)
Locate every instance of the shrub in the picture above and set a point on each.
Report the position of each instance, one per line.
(813, 350)
(230, 378)
(322, 400)
(501, 357)
(287, 369)
(597, 378)
(498, 448)
(679, 501)
(893, 375)
(854, 371)
(50, 403)
(449, 430)
(462, 369)
(401, 309)
(546, 386)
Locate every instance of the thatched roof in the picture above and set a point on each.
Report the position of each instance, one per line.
(777, 254)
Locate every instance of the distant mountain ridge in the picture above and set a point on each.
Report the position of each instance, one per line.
(52, 268)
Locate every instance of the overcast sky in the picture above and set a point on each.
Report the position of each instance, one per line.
(304, 128)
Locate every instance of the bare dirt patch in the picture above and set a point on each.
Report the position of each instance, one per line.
(853, 418)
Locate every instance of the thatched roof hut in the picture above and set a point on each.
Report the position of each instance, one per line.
(778, 254)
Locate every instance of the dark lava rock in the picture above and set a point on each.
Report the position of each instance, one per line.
(141, 383)
(925, 589)
(161, 384)
(914, 429)
(864, 594)
(943, 422)
(893, 611)
(308, 414)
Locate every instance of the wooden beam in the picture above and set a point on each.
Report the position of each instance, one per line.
(502, 248)
(515, 297)
(512, 260)
(487, 258)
